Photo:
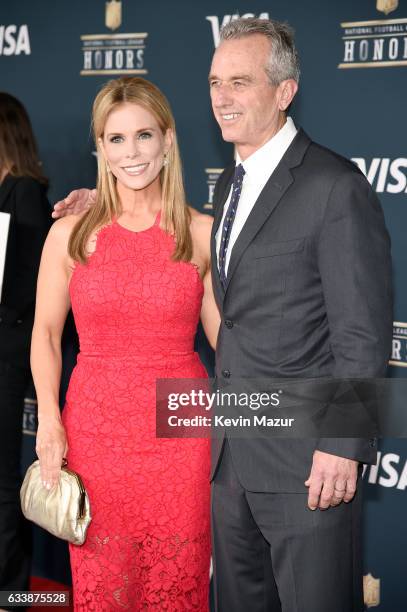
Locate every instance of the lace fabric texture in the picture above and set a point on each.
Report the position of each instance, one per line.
(136, 312)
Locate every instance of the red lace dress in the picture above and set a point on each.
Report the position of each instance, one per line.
(136, 312)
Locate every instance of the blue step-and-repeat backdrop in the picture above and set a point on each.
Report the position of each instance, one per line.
(54, 56)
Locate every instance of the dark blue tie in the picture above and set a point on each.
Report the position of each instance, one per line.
(229, 219)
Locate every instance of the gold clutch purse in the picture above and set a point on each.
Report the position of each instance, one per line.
(63, 510)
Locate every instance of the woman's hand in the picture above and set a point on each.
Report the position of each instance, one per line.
(51, 448)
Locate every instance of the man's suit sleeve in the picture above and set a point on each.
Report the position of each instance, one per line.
(355, 267)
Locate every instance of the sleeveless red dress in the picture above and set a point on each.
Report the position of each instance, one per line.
(136, 313)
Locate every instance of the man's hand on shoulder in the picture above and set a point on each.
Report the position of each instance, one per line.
(331, 481)
(77, 202)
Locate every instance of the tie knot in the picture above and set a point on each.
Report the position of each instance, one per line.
(239, 174)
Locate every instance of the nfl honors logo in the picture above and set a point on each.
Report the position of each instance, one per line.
(387, 6)
(117, 54)
(399, 346)
(30, 417)
(212, 175)
(378, 43)
(113, 17)
(371, 591)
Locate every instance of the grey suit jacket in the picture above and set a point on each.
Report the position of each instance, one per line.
(308, 295)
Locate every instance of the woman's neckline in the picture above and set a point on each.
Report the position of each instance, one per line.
(127, 229)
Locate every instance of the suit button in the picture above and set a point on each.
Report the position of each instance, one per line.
(226, 373)
(229, 323)
(372, 442)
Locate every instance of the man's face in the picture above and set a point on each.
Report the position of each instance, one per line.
(245, 105)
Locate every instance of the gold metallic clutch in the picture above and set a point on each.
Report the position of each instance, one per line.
(63, 510)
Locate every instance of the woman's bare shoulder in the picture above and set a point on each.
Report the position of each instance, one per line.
(65, 225)
(61, 230)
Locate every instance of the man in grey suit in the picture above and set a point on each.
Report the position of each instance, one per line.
(302, 277)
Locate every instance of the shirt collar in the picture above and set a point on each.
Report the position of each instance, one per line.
(259, 161)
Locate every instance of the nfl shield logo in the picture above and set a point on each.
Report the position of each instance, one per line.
(371, 591)
(113, 14)
(387, 6)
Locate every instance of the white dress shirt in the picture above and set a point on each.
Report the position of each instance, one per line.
(258, 167)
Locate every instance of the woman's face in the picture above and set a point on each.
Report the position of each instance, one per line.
(134, 146)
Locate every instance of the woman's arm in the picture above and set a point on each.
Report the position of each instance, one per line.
(201, 227)
(209, 312)
(52, 307)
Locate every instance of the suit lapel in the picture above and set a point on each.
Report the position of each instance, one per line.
(268, 199)
(217, 285)
(227, 181)
(275, 188)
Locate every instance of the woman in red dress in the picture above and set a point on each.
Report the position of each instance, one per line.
(135, 269)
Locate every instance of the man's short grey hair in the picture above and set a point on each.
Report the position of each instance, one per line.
(284, 62)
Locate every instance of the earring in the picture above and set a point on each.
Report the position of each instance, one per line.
(165, 162)
(108, 168)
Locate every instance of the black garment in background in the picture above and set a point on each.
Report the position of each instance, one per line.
(25, 200)
(15, 542)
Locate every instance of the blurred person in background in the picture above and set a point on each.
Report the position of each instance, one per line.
(23, 196)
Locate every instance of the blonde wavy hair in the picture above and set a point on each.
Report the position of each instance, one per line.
(175, 216)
